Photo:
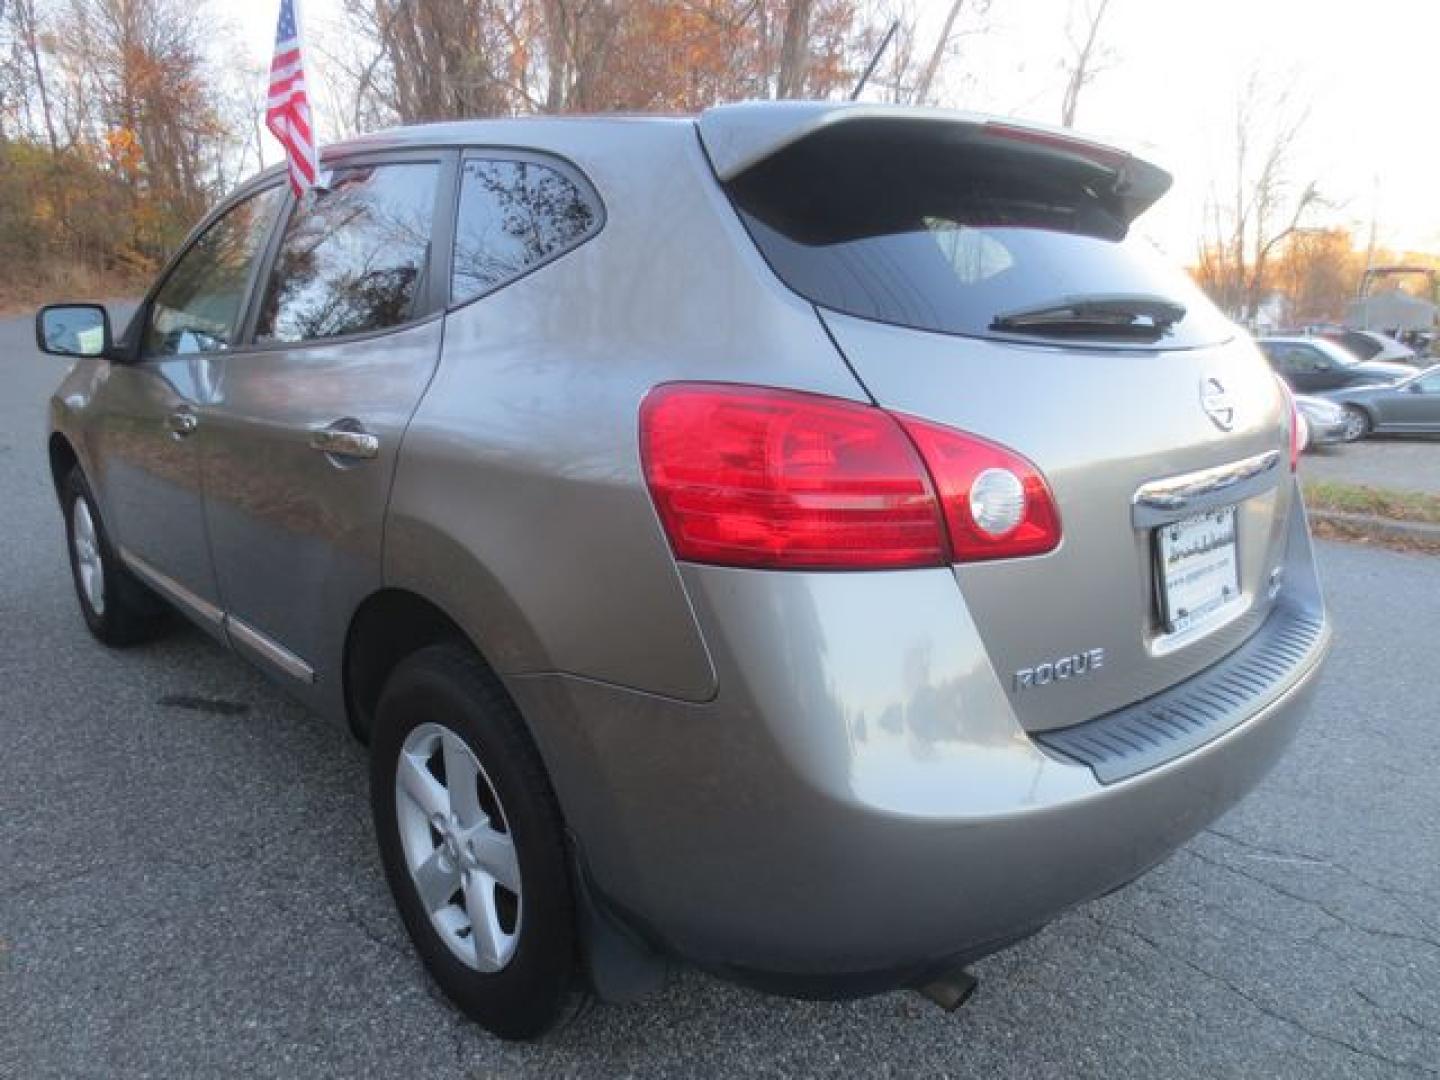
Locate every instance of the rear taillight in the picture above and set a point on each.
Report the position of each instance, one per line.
(1297, 437)
(747, 476)
(997, 504)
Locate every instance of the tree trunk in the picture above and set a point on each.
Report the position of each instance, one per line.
(25, 20)
(794, 50)
(1081, 74)
(932, 66)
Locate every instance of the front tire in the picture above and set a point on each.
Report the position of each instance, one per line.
(1357, 424)
(472, 842)
(118, 609)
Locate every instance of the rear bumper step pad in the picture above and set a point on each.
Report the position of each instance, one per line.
(1174, 722)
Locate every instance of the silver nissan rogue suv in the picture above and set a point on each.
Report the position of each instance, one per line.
(813, 542)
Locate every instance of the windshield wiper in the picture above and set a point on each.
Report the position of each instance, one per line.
(1099, 315)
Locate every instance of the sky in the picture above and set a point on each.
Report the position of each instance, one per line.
(1363, 74)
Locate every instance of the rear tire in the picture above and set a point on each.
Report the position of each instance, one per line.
(1357, 423)
(465, 815)
(118, 609)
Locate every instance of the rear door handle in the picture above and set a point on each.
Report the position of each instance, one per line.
(181, 423)
(345, 441)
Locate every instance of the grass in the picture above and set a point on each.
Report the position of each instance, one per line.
(1377, 502)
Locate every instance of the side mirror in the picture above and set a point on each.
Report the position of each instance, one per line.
(73, 330)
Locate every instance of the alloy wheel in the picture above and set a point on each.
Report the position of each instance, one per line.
(88, 563)
(458, 847)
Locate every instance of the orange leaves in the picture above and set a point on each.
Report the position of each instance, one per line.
(122, 151)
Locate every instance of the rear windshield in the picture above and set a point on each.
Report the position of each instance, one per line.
(906, 225)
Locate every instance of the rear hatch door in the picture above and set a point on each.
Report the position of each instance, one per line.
(986, 277)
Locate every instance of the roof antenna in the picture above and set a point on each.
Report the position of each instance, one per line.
(870, 68)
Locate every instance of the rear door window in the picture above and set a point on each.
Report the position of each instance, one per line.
(355, 257)
(948, 236)
(514, 215)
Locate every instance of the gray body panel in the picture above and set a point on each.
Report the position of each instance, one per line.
(860, 796)
(1060, 407)
(783, 772)
(147, 478)
(521, 472)
(296, 534)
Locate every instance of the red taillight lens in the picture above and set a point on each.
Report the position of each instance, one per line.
(963, 467)
(1296, 442)
(746, 476)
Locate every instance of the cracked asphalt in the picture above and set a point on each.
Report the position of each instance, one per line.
(188, 885)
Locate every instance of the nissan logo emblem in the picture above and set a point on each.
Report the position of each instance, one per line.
(1217, 402)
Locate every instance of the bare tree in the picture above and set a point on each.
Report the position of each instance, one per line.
(794, 49)
(436, 59)
(937, 54)
(909, 72)
(1264, 205)
(26, 29)
(1086, 56)
(580, 39)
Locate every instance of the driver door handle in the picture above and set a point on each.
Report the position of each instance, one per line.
(342, 442)
(181, 423)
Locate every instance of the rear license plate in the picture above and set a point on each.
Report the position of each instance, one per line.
(1198, 569)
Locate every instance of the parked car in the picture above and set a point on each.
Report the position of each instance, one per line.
(1325, 421)
(1408, 407)
(1311, 365)
(734, 547)
(1372, 345)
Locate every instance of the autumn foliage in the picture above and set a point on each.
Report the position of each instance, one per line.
(117, 127)
(109, 136)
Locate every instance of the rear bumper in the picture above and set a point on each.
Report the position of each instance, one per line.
(1326, 434)
(858, 807)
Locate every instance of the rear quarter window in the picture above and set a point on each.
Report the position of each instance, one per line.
(516, 214)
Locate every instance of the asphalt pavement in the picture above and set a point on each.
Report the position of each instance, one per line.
(1411, 463)
(188, 885)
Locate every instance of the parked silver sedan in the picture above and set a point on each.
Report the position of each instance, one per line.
(1325, 421)
(766, 541)
(1409, 406)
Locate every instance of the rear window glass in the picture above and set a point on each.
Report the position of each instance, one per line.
(915, 227)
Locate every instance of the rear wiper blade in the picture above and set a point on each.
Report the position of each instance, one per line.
(1134, 315)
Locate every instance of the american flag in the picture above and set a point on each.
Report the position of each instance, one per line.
(288, 113)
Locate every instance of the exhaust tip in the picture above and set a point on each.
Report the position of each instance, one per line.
(950, 990)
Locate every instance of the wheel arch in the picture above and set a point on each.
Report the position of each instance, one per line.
(63, 458)
(388, 626)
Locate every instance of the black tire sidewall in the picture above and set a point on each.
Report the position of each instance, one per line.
(101, 625)
(132, 613)
(448, 686)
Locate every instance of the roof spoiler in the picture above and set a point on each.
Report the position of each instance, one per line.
(740, 136)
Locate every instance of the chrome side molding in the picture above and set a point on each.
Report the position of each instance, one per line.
(1162, 501)
(241, 635)
(198, 608)
(245, 637)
